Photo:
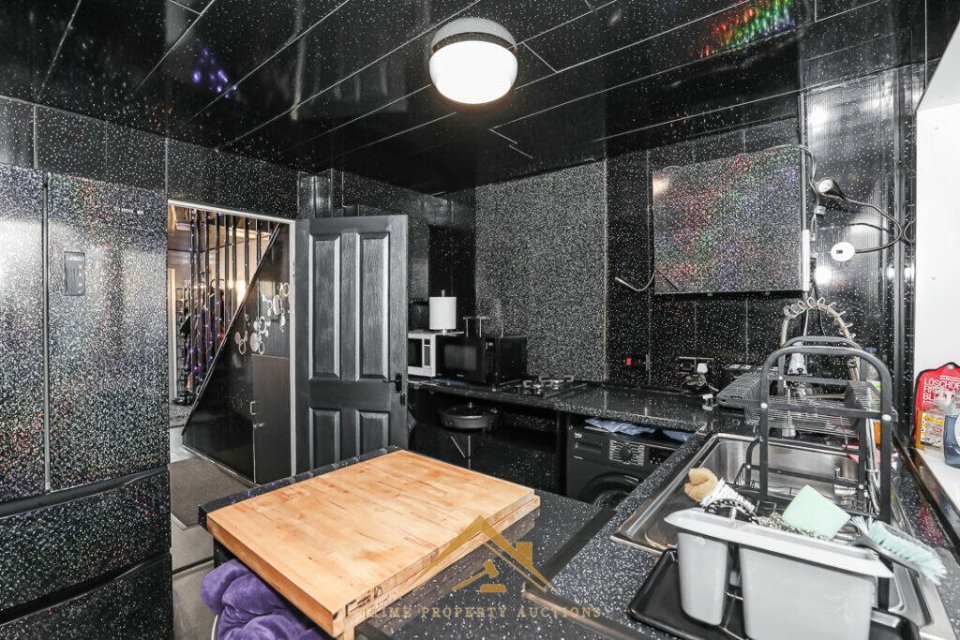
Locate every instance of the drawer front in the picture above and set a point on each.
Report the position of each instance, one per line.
(63, 545)
(136, 604)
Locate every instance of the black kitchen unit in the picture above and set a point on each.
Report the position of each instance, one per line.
(522, 445)
(541, 436)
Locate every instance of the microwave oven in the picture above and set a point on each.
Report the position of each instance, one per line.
(422, 354)
(489, 360)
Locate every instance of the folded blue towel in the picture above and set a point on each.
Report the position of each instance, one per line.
(616, 426)
(681, 436)
(250, 610)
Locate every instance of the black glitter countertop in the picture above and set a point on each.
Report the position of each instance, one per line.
(644, 406)
(434, 610)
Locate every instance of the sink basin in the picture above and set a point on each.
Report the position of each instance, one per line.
(792, 465)
(735, 458)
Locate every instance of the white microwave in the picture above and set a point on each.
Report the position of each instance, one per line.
(422, 354)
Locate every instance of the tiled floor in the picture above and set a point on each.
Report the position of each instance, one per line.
(189, 545)
(177, 451)
(192, 619)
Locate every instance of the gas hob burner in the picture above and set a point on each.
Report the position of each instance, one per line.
(543, 386)
(548, 383)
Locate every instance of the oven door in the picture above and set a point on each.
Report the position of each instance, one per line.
(462, 358)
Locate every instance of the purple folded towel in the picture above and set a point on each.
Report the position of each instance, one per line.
(250, 610)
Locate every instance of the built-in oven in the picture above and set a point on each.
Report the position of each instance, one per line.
(488, 360)
(422, 354)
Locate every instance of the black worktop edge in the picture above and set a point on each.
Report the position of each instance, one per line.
(572, 402)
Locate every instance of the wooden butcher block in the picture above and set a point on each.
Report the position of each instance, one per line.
(342, 545)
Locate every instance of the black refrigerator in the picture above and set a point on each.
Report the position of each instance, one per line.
(84, 488)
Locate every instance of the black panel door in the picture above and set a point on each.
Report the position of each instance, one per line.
(351, 325)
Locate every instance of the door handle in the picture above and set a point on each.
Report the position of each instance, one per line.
(397, 382)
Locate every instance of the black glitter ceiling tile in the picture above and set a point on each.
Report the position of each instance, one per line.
(51, 548)
(108, 349)
(21, 333)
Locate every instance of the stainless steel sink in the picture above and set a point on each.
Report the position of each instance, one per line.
(829, 471)
(735, 458)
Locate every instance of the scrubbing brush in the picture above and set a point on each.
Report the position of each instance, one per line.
(705, 488)
(899, 547)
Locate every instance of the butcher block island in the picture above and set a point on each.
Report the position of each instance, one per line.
(343, 545)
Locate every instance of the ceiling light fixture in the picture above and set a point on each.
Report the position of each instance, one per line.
(473, 60)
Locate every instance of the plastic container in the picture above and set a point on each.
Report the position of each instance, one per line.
(796, 600)
(794, 587)
(951, 445)
(704, 570)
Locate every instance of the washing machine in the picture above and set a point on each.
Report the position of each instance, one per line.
(603, 467)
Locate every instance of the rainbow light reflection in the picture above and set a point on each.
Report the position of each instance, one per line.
(748, 24)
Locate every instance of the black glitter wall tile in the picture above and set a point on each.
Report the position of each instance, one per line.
(71, 144)
(135, 158)
(628, 257)
(853, 131)
(673, 327)
(313, 195)
(55, 547)
(541, 267)
(452, 265)
(108, 346)
(16, 133)
(21, 333)
(722, 330)
(206, 176)
(764, 322)
(136, 604)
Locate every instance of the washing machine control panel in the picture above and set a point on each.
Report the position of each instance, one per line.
(626, 452)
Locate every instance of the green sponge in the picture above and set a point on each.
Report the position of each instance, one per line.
(811, 513)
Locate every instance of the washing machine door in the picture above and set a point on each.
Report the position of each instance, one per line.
(609, 490)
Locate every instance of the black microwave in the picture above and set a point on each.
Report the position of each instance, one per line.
(482, 360)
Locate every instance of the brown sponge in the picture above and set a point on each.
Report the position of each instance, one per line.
(702, 483)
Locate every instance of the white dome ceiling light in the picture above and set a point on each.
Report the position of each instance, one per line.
(472, 60)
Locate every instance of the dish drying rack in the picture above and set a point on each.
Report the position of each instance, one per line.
(775, 398)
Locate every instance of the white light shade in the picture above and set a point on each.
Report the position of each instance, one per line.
(472, 61)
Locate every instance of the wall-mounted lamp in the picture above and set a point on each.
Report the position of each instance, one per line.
(472, 60)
